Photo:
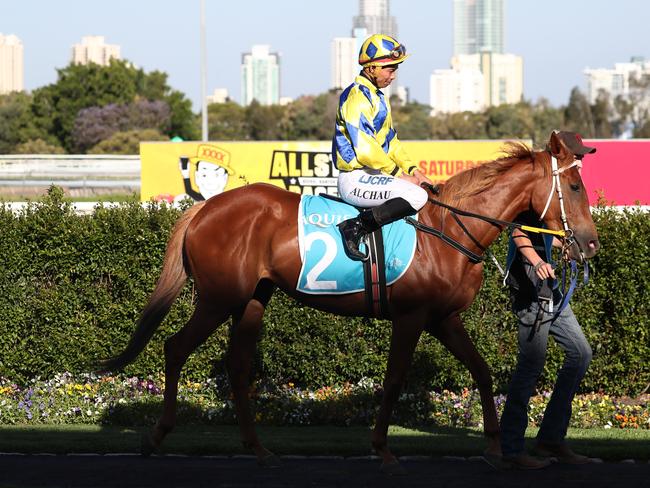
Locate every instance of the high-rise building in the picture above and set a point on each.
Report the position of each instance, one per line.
(615, 81)
(453, 90)
(93, 49)
(478, 49)
(374, 16)
(344, 61)
(503, 75)
(345, 58)
(11, 64)
(260, 76)
(478, 26)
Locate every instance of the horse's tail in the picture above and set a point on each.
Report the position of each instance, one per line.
(169, 285)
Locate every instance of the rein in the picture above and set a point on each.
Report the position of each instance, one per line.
(502, 224)
(566, 234)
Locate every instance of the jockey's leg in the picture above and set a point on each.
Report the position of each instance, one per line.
(385, 199)
(369, 220)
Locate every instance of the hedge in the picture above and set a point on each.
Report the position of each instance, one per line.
(72, 287)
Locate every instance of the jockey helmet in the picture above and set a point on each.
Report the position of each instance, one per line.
(381, 50)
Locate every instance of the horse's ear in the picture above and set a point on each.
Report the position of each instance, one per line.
(556, 146)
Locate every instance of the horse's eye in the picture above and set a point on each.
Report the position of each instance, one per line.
(575, 187)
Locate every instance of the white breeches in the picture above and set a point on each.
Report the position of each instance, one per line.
(369, 188)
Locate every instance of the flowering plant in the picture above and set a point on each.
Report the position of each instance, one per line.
(93, 399)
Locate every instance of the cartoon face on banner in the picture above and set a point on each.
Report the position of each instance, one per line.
(211, 166)
(210, 178)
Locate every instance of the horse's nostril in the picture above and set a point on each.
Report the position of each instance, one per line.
(594, 244)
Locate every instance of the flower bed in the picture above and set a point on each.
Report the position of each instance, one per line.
(93, 399)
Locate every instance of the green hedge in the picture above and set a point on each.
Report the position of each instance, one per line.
(72, 287)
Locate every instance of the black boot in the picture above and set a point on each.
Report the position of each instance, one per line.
(369, 220)
(353, 231)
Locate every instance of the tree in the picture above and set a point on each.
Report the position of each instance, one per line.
(458, 125)
(546, 119)
(602, 114)
(17, 124)
(510, 121)
(57, 106)
(412, 121)
(639, 97)
(311, 117)
(577, 115)
(94, 124)
(263, 121)
(227, 122)
(37, 146)
(127, 142)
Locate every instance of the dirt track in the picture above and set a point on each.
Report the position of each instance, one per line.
(174, 471)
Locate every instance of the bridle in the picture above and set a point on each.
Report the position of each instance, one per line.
(568, 238)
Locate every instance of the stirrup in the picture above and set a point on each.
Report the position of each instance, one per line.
(355, 254)
(348, 237)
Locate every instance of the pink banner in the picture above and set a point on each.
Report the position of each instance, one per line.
(619, 171)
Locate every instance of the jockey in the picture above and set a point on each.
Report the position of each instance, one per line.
(375, 171)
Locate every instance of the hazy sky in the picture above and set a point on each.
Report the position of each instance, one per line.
(557, 38)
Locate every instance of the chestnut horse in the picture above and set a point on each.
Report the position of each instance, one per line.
(239, 245)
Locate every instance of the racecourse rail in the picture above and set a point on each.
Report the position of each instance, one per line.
(87, 171)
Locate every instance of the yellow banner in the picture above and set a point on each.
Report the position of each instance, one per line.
(172, 171)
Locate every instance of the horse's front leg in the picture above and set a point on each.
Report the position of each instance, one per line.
(243, 343)
(406, 333)
(454, 337)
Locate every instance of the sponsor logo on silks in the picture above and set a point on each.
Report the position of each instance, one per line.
(305, 172)
(324, 220)
(375, 180)
(326, 269)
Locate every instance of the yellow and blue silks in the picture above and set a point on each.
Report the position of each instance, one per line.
(364, 135)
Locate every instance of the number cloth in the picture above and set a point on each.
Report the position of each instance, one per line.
(325, 267)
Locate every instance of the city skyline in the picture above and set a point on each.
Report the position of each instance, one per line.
(570, 38)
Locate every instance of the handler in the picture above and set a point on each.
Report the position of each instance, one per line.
(535, 301)
(375, 171)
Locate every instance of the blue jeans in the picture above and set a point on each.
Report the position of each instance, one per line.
(530, 362)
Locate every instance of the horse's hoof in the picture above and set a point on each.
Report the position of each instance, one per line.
(392, 469)
(269, 461)
(147, 446)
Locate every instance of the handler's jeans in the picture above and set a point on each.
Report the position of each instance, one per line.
(530, 361)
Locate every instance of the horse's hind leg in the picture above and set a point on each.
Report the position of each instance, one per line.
(243, 342)
(177, 349)
(454, 337)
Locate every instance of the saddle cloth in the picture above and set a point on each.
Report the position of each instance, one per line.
(326, 269)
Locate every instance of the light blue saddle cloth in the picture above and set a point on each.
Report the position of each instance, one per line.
(326, 269)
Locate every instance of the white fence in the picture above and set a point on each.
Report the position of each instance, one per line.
(90, 172)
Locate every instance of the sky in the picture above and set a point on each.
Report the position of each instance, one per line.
(557, 39)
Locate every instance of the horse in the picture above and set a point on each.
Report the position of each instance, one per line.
(239, 246)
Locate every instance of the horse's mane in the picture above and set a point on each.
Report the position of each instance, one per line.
(476, 180)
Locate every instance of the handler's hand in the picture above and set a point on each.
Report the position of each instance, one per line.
(544, 270)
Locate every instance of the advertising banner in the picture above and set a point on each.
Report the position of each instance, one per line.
(619, 171)
(172, 171)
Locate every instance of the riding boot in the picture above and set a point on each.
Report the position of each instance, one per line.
(369, 220)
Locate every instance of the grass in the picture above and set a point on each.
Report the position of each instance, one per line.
(608, 444)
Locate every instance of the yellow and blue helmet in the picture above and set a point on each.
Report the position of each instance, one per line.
(381, 50)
